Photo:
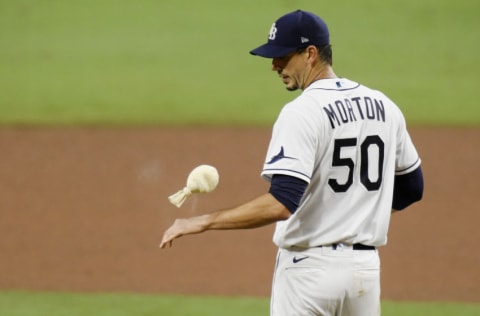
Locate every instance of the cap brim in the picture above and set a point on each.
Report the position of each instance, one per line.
(272, 51)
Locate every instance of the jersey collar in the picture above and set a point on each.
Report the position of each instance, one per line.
(333, 84)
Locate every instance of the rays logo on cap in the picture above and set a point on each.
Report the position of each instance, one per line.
(293, 30)
(273, 32)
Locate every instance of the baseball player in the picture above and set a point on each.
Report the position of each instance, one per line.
(339, 161)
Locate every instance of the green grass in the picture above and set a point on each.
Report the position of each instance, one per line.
(429, 309)
(63, 304)
(14, 303)
(187, 62)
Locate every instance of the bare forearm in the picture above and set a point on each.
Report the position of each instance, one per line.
(261, 211)
(258, 212)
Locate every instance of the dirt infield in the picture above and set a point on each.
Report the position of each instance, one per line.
(84, 210)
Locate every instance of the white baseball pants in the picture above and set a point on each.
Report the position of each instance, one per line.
(326, 281)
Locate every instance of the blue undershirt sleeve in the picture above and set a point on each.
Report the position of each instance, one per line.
(407, 189)
(288, 190)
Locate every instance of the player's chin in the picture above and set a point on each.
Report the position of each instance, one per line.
(292, 87)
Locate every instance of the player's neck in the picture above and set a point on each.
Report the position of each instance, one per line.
(322, 72)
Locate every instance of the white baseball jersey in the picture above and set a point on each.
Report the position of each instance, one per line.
(348, 142)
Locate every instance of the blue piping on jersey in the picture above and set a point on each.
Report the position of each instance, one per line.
(289, 170)
(413, 164)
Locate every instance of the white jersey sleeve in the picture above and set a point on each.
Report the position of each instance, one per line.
(292, 148)
(407, 158)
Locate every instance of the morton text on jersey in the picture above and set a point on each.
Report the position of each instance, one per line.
(350, 110)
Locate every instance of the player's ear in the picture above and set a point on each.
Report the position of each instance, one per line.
(312, 52)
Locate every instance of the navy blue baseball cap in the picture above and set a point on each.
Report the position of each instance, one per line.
(294, 30)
